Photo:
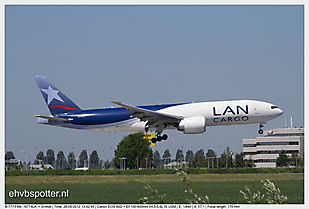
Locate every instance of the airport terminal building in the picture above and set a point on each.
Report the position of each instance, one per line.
(264, 151)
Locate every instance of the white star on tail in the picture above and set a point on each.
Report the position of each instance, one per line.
(51, 94)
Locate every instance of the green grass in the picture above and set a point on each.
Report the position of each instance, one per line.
(96, 179)
(152, 171)
(220, 188)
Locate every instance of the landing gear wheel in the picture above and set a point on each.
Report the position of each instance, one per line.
(260, 131)
(159, 137)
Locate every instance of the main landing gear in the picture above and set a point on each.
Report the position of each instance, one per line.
(159, 138)
(159, 130)
(260, 131)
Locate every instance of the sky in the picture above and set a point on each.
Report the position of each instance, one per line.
(148, 55)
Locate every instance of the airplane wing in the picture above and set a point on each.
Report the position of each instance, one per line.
(53, 118)
(154, 118)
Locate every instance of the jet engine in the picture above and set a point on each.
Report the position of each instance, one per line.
(193, 125)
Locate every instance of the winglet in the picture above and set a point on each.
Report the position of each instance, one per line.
(118, 103)
(122, 105)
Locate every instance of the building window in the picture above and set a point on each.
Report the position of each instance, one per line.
(266, 160)
(276, 143)
(276, 151)
(249, 145)
(250, 153)
(293, 134)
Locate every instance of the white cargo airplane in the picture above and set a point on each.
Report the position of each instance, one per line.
(190, 118)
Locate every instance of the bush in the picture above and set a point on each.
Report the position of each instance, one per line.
(274, 195)
(162, 198)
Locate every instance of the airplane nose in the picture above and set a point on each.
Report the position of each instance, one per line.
(276, 111)
(279, 112)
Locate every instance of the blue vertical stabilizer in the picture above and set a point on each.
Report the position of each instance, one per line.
(56, 101)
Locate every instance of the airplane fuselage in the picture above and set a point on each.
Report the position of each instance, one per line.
(215, 113)
(190, 118)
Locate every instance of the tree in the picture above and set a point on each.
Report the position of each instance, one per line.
(166, 157)
(9, 155)
(107, 164)
(226, 159)
(294, 160)
(166, 154)
(189, 157)
(82, 157)
(71, 159)
(40, 157)
(179, 156)
(94, 159)
(283, 159)
(157, 159)
(50, 157)
(199, 159)
(61, 159)
(133, 147)
(200, 153)
(239, 160)
(210, 153)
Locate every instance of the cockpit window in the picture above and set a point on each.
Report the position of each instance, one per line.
(274, 107)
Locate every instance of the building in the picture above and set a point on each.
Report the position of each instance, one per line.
(173, 165)
(264, 151)
(82, 169)
(39, 167)
(12, 163)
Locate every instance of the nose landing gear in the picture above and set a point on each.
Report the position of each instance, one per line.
(260, 131)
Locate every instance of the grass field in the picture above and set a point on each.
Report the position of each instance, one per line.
(220, 188)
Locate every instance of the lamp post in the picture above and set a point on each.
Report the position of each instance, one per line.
(103, 167)
(26, 159)
(122, 163)
(112, 156)
(76, 159)
(72, 155)
(217, 162)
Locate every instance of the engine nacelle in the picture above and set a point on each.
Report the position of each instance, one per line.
(193, 125)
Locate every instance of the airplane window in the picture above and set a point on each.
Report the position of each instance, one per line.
(274, 107)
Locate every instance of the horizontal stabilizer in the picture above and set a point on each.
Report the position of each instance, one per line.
(54, 118)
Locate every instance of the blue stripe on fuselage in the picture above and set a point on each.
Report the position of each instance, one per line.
(108, 115)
